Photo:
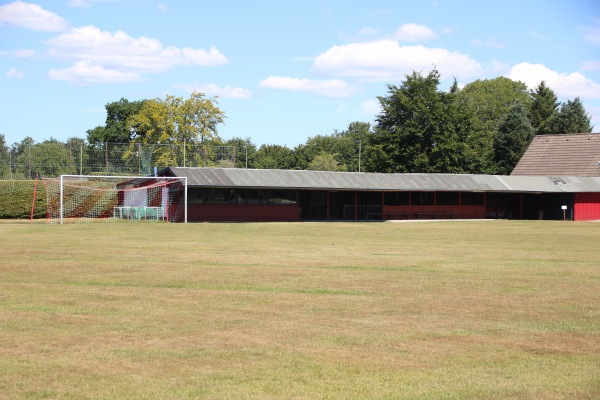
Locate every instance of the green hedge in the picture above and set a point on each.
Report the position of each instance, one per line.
(16, 198)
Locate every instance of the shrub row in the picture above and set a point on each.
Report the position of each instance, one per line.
(16, 198)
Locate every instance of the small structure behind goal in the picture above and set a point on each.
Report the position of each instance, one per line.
(91, 198)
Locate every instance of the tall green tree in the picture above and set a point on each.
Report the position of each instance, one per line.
(488, 101)
(571, 118)
(326, 162)
(175, 121)
(347, 146)
(420, 129)
(115, 130)
(274, 157)
(4, 158)
(245, 151)
(512, 137)
(544, 107)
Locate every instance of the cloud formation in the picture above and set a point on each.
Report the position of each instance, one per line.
(414, 33)
(387, 60)
(122, 54)
(31, 16)
(83, 72)
(215, 90)
(330, 88)
(14, 73)
(591, 33)
(564, 85)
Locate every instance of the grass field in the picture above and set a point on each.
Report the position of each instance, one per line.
(437, 310)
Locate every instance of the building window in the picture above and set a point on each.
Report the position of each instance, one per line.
(446, 198)
(396, 198)
(422, 198)
(471, 199)
(241, 196)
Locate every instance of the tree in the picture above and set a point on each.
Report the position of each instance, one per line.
(345, 145)
(245, 151)
(544, 107)
(420, 129)
(488, 101)
(326, 162)
(175, 121)
(115, 130)
(4, 158)
(571, 118)
(512, 137)
(274, 157)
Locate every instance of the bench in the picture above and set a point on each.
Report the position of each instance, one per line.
(388, 215)
(434, 214)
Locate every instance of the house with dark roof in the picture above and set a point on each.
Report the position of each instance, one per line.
(217, 194)
(561, 155)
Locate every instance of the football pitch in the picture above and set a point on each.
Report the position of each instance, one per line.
(432, 310)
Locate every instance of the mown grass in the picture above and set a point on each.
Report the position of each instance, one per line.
(453, 310)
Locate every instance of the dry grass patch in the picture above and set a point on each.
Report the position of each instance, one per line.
(310, 310)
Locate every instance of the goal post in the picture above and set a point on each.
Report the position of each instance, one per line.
(91, 198)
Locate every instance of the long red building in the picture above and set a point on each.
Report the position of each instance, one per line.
(289, 195)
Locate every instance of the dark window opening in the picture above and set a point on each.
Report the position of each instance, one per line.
(471, 199)
(446, 198)
(422, 198)
(396, 198)
(241, 196)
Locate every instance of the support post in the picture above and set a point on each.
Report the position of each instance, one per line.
(34, 195)
(61, 199)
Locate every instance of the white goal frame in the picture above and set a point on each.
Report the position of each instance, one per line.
(157, 178)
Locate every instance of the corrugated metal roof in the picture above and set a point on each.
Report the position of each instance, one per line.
(323, 180)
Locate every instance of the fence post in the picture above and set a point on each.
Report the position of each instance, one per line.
(70, 156)
(139, 158)
(106, 156)
(33, 201)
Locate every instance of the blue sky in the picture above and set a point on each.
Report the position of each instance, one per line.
(282, 71)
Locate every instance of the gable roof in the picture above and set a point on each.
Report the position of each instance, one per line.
(367, 181)
(561, 155)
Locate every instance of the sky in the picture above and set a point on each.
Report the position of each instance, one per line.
(281, 71)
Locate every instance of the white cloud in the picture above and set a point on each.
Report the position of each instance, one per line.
(86, 72)
(24, 53)
(414, 33)
(330, 88)
(386, 60)
(31, 16)
(14, 73)
(590, 66)
(125, 55)
(368, 32)
(372, 107)
(592, 32)
(80, 3)
(570, 85)
(492, 43)
(215, 90)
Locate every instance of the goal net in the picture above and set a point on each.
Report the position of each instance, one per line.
(91, 198)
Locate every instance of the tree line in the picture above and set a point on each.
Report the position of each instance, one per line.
(482, 128)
